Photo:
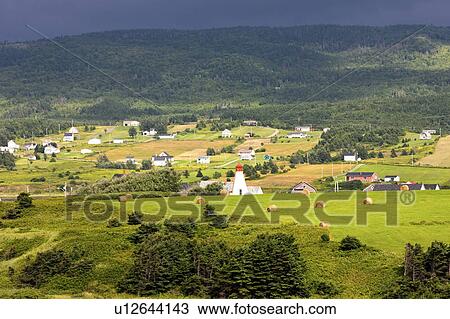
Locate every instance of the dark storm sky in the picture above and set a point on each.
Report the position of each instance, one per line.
(60, 17)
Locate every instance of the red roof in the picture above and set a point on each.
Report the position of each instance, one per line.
(239, 167)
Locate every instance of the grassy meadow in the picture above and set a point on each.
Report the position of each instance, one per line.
(357, 274)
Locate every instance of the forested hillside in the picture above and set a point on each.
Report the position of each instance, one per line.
(231, 72)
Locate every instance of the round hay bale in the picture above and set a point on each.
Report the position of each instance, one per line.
(223, 192)
(272, 208)
(123, 198)
(324, 225)
(129, 196)
(404, 188)
(306, 192)
(200, 201)
(368, 201)
(319, 204)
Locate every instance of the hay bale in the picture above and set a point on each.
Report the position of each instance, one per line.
(123, 198)
(404, 188)
(272, 208)
(223, 192)
(368, 201)
(200, 201)
(319, 204)
(324, 225)
(129, 196)
(306, 192)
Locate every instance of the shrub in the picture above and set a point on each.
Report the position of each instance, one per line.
(114, 222)
(135, 218)
(38, 179)
(325, 237)
(24, 200)
(13, 213)
(350, 243)
(51, 263)
(220, 221)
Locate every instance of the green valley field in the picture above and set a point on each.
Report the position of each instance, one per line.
(358, 274)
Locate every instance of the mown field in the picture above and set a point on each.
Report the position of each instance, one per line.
(441, 155)
(410, 173)
(358, 274)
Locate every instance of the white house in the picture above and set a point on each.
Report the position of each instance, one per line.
(392, 178)
(12, 146)
(73, 130)
(425, 136)
(4, 149)
(250, 123)
(85, 151)
(117, 141)
(226, 133)
(204, 160)
(326, 129)
(430, 131)
(130, 159)
(303, 128)
(151, 132)
(246, 155)
(30, 146)
(167, 136)
(50, 150)
(69, 137)
(31, 158)
(350, 157)
(162, 159)
(95, 141)
(297, 135)
(132, 123)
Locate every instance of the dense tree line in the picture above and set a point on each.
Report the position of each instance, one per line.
(269, 267)
(426, 273)
(158, 181)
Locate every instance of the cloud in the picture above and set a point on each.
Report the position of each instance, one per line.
(58, 17)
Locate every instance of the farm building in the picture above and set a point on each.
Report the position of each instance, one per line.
(430, 131)
(301, 187)
(350, 157)
(204, 184)
(250, 123)
(151, 132)
(73, 130)
(69, 137)
(30, 146)
(365, 177)
(203, 160)
(326, 129)
(239, 186)
(13, 146)
(226, 133)
(297, 135)
(425, 136)
(86, 151)
(303, 128)
(400, 187)
(95, 141)
(117, 141)
(167, 136)
(50, 150)
(131, 123)
(392, 178)
(246, 155)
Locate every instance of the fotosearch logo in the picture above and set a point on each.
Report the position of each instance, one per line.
(340, 208)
